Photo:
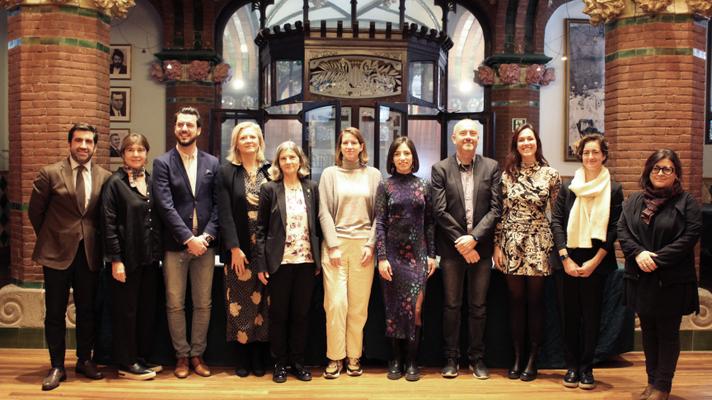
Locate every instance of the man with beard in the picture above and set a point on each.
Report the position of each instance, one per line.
(117, 66)
(64, 213)
(183, 186)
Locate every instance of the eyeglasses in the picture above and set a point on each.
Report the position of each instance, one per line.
(665, 170)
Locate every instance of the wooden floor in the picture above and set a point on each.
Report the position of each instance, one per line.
(21, 373)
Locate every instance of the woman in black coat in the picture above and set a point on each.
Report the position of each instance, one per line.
(657, 231)
(132, 242)
(288, 256)
(583, 223)
(239, 180)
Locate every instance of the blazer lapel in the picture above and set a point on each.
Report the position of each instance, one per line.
(199, 173)
(178, 166)
(69, 182)
(455, 173)
(282, 203)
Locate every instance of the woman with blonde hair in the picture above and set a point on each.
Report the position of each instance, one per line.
(239, 180)
(347, 215)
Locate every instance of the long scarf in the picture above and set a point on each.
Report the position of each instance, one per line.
(654, 199)
(137, 178)
(588, 218)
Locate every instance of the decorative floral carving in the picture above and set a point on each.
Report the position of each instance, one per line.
(485, 75)
(198, 70)
(173, 70)
(549, 76)
(115, 8)
(603, 10)
(509, 73)
(653, 6)
(355, 76)
(702, 7)
(221, 73)
(533, 74)
(156, 71)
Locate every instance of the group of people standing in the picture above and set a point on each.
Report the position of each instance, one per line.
(279, 231)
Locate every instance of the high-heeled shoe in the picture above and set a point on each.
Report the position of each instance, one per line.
(516, 370)
(530, 372)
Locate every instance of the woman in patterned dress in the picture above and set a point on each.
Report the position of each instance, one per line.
(239, 181)
(405, 246)
(523, 241)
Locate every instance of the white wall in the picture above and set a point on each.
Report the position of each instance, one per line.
(142, 30)
(4, 136)
(707, 158)
(551, 107)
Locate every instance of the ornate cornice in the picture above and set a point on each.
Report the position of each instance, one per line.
(653, 6)
(702, 7)
(111, 8)
(609, 10)
(603, 10)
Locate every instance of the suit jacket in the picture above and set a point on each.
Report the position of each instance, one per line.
(57, 221)
(449, 205)
(232, 209)
(175, 199)
(272, 224)
(560, 222)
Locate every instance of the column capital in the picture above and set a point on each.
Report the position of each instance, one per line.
(111, 8)
(610, 10)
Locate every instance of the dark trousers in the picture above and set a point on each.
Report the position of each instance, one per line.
(290, 290)
(661, 345)
(580, 311)
(134, 312)
(457, 273)
(57, 285)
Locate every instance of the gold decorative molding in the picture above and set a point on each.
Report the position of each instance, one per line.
(702, 7)
(111, 8)
(608, 10)
(603, 10)
(653, 6)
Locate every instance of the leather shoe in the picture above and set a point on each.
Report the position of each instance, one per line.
(412, 372)
(280, 373)
(646, 393)
(571, 379)
(479, 369)
(450, 370)
(587, 382)
(658, 395)
(182, 371)
(395, 369)
(301, 373)
(199, 366)
(528, 375)
(54, 376)
(88, 369)
(136, 371)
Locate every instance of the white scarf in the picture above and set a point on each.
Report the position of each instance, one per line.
(588, 218)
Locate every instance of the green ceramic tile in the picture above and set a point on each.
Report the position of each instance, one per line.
(702, 340)
(30, 338)
(686, 340)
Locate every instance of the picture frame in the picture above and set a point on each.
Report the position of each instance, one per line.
(517, 122)
(120, 61)
(584, 87)
(120, 104)
(114, 143)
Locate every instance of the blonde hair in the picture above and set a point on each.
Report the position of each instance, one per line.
(275, 171)
(234, 154)
(362, 156)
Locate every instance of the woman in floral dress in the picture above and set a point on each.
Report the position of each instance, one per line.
(405, 246)
(239, 181)
(523, 241)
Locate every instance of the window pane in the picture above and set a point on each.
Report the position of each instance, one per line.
(426, 136)
(367, 126)
(421, 80)
(278, 131)
(321, 128)
(391, 126)
(289, 78)
(226, 136)
(240, 51)
(467, 53)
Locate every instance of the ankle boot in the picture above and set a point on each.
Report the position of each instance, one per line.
(242, 360)
(259, 350)
(516, 369)
(530, 372)
(412, 372)
(395, 366)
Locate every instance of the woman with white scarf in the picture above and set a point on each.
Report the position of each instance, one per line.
(584, 227)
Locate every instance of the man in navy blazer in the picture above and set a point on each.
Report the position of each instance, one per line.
(186, 197)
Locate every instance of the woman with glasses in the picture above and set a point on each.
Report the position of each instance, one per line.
(584, 226)
(657, 230)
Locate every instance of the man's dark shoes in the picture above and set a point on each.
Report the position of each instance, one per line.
(395, 370)
(301, 373)
(88, 368)
(136, 372)
(280, 373)
(571, 379)
(450, 370)
(479, 369)
(54, 376)
(587, 382)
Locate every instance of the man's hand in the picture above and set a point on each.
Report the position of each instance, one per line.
(197, 246)
(465, 243)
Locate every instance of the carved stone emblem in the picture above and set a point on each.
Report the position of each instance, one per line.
(702, 7)
(355, 76)
(603, 10)
(653, 6)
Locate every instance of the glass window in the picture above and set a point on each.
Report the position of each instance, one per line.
(240, 51)
(226, 136)
(426, 137)
(289, 78)
(467, 53)
(391, 126)
(421, 80)
(321, 128)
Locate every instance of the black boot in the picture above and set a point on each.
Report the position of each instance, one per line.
(530, 371)
(412, 372)
(395, 366)
(259, 351)
(516, 370)
(242, 360)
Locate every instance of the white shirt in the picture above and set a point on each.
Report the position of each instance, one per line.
(87, 178)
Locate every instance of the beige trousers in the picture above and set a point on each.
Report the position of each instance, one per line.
(347, 289)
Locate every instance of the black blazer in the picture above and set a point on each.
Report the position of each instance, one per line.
(672, 235)
(232, 210)
(131, 225)
(560, 221)
(449, 205)
(272, 219)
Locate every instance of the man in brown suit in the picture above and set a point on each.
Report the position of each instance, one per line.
(63, 211)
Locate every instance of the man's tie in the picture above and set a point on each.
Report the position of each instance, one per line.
(81, 193)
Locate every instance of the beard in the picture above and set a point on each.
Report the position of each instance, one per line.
(186, 142)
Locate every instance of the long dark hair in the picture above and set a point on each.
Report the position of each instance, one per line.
(514, 159)
(653, 159)
(390, 166)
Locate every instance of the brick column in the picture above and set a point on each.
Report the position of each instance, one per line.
(654, 94)
(513, 101)
(58, 60)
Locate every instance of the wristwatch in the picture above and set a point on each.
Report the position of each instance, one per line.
(563, 256)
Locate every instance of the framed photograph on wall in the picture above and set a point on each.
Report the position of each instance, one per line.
(120, 61)
(120, 104)
(115, 138)
(584, 88)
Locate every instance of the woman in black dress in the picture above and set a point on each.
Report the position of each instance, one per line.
(657, 231)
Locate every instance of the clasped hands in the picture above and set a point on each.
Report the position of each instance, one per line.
(198, 245)
(465, 245)
(645, 261)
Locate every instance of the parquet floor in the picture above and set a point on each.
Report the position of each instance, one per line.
(22, 370)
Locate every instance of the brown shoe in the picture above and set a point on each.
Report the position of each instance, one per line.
(199, 366)
(646, 393)
(182, 371)
(658, 395)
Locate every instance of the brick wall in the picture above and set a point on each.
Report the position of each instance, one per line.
(512, 102)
